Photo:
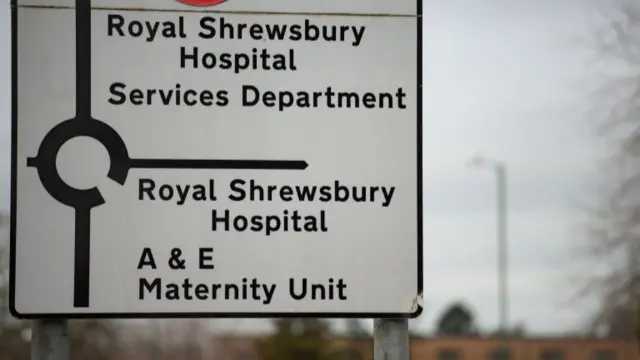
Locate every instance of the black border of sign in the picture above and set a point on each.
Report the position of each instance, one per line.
(263, 315)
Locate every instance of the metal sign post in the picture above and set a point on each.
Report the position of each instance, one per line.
(50, 340)
(391, 339)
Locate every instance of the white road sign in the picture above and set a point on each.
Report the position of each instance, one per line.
(235, 158)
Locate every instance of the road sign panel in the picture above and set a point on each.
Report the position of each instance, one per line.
(207, 158)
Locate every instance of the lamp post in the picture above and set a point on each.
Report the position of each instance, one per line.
(500, 170)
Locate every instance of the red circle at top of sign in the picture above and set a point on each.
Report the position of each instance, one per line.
(202, 2)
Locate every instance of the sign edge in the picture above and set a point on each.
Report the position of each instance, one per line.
(13, 205)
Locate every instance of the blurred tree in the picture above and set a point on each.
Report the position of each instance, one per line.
(357, 338)
(186, 339)
(94, 340)
(519, 330)
(14, 345)
(295, 339)
(355, 329)
(457, 320)
(349, 353)
(613, 229)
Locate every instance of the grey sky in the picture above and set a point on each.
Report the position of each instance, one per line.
(502, 78)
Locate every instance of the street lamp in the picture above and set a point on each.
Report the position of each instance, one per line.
(500, 170)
